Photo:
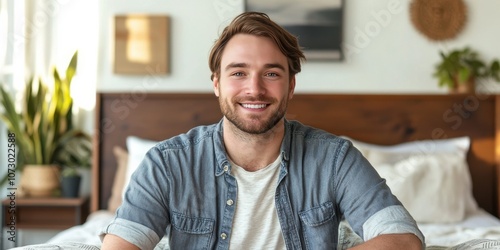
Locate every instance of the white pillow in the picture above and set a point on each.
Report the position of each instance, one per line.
(432, 187)
(430, 177)
(459, 145)
(137, 149)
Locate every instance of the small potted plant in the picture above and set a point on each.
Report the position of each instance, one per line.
(44, 133)
(460, 68)
(77, 155)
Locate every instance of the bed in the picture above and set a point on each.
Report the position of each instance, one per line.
(373, 122)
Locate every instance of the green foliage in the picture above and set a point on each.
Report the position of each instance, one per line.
(44, 128)
(460, 65)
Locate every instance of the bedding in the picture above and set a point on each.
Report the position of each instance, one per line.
(85, 236)
(476, 225)
(430, 177)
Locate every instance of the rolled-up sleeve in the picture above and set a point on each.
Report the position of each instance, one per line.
(135, 233)
(391, 220)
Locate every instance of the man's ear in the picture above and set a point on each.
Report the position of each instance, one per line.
(215, 81)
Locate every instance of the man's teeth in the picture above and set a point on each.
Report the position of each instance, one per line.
(254, 106)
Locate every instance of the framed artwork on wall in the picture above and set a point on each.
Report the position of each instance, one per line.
(141, 44)
(317, 24)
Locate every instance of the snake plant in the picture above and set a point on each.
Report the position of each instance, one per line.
(43, 129)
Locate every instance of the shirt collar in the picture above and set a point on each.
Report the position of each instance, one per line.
(223, 163)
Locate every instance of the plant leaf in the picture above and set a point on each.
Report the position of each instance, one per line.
(463, 75)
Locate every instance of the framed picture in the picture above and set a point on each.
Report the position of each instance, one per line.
(317, 24)
(141, 44)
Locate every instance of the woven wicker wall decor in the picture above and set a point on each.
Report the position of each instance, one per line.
(438, 19)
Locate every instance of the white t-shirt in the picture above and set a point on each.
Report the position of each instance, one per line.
(256, 224)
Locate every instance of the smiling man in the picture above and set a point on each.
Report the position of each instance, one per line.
(256, 180)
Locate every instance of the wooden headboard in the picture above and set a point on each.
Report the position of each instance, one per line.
(379, 119)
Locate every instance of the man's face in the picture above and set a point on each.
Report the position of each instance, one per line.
(254, 84)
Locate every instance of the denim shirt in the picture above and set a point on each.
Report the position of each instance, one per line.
(184, 188)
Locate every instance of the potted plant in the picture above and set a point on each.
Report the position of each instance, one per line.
(460, 68)
(77, 155)
(44, 134)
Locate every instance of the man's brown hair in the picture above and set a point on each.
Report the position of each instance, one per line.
(259, 24)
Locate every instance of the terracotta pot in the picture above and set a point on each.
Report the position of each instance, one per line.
(467, 87)
(40, 180)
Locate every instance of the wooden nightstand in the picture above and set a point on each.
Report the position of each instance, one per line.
(46, 213)
(42, 213)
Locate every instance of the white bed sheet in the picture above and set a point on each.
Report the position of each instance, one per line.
(87, 233)
(477, 225)
(85, 236)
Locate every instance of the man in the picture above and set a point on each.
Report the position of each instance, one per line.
(256, 180)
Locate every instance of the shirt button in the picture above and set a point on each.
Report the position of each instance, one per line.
(226, 168)
(229, 202)
(223, 236)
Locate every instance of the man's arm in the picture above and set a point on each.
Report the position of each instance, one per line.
(112, 241)
(392, 241)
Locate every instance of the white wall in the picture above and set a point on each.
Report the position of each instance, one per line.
(193, 28)
(392, 59)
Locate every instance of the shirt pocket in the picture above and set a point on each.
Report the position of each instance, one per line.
(191, 232)
(320, 227)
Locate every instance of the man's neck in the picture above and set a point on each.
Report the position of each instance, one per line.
(253, 152)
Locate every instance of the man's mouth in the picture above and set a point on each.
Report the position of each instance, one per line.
(253, 106)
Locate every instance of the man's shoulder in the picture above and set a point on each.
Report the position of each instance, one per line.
(192, 137)
(312, 133)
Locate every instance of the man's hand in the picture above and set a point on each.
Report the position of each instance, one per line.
(392, 241)
(114, 242)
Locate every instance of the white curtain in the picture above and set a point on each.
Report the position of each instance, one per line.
(4, 75)
(4, 71)
(4, 25)
(37, 37)
(24, 39)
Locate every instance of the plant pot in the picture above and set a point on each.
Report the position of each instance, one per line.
(468, 87)
(70, 186)
(39, 180)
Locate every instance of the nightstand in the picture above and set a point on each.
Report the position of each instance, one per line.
(47, 213)
(44, 213)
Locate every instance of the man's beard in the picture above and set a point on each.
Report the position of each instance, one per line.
(258, 125)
